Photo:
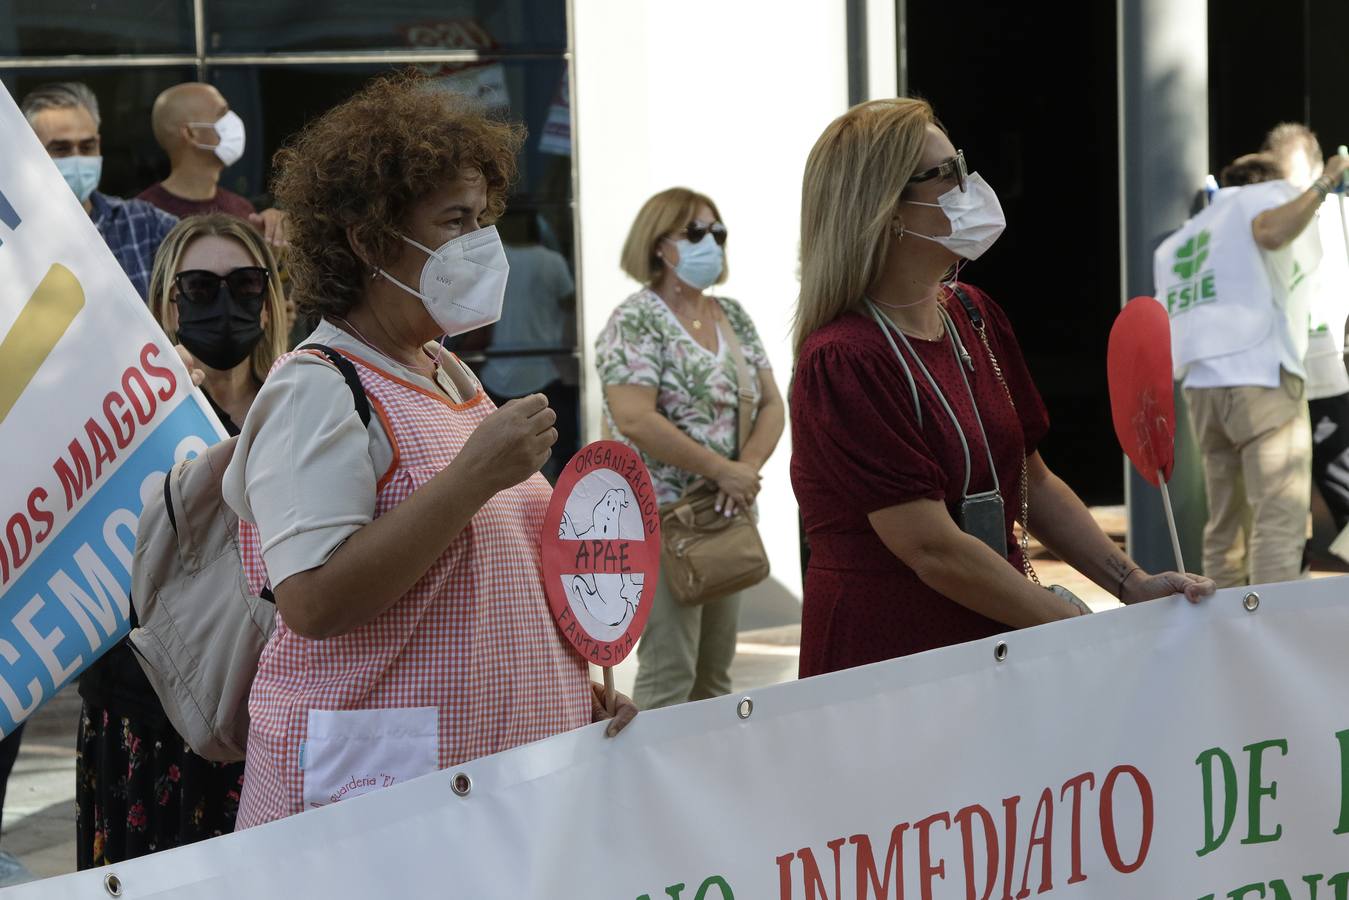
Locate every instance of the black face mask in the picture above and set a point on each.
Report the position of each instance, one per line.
(222, 331)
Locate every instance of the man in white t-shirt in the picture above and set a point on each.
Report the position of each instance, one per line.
(1297, 153)
(1237, 281)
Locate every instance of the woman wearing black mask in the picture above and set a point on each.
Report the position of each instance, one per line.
(139, 788)
(215, 291)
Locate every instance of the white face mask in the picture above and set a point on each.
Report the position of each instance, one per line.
(230, 129)
(975, 215)
(463, 283)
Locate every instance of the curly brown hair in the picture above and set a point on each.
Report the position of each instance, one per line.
(364, 164)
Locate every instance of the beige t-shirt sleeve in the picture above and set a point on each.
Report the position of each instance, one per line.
(305, 469)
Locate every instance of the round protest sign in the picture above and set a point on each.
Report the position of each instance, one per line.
(601, 551)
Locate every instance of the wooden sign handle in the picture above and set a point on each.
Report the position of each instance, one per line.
(1171, 522)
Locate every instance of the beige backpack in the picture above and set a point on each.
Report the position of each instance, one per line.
(196, 629)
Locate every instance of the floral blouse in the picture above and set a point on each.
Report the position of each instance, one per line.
(645, 344)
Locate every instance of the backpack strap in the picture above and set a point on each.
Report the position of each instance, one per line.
(359, 399)
(168, 501)
(744, 393)
(348, 371)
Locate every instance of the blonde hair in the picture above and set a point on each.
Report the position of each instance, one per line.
(169, 258)
(665, 213)
(849, 197)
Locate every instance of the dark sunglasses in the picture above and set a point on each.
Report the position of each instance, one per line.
(696, 231)
(200, 286)
(952, 168)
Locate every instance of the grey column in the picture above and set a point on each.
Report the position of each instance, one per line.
(857, 51)
(1163, 108)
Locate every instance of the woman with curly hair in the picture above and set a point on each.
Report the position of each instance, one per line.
(412, 630)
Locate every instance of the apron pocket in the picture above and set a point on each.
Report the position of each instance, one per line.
(347, 753)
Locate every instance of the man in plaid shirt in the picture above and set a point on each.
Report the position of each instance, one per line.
(65, 118)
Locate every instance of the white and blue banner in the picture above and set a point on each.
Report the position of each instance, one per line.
(95, 406)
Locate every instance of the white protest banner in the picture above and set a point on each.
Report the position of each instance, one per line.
(95, 406)
(1167, 752)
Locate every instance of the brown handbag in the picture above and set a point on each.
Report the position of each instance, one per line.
(705, 555)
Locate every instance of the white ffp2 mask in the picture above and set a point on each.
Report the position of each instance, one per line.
(463, 283)
(975, 215)
(229, 128)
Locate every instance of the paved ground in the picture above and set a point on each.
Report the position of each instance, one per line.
(39, 825)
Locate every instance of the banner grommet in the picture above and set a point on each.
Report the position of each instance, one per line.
(112, 884)
(1251, 601)
(1000, 651)
(745, 708)
(462, 785)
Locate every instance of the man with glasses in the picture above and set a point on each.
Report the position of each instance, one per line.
(65, 119)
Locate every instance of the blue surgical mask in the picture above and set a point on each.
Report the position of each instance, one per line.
(82, 173)
(699, 264)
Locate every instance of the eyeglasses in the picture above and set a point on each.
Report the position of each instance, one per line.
(200, 286)
(696, 231)
(952, 168)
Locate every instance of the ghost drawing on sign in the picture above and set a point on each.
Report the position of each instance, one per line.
(611, 599)
(604, 522)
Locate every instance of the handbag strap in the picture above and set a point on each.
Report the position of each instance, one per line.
(981, 328)
(747, 400)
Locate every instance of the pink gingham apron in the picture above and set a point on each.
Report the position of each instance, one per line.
(473, 637)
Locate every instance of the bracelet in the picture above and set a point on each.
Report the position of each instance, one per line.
(1323, 185)
(1120, 593)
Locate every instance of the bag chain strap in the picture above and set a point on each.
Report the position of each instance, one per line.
(1026, 566)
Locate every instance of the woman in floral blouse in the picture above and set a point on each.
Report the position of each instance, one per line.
(671, 390)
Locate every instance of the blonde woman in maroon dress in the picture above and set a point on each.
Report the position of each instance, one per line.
(913, 452)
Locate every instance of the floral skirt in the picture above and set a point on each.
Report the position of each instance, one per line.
(139, 788)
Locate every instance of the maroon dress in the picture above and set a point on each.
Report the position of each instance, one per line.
(858, 447)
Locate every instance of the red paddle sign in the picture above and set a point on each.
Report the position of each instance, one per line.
(601, 551)
(1142, 401)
